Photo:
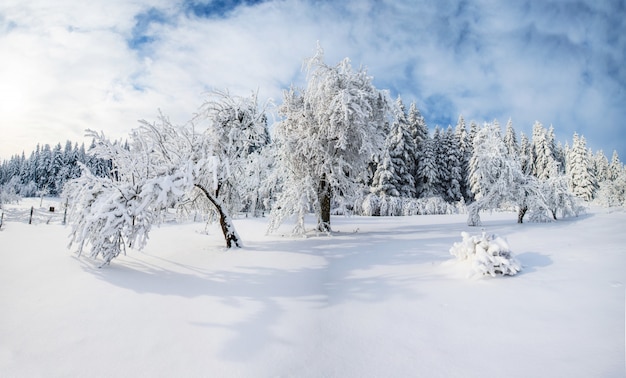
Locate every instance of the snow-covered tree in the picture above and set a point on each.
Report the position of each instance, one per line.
(329, 132)
(465, 149)
(397, 167)
(428, 170)
(8, 193)
(165, 165)
(616, 168)
(551, 198)
(525, 155)
(386, 180)
(495, 177)
(419, 132)
(450, 162)
(601, 168)
(612, 190)
(581, 179)
(510, 140)
(543, 153)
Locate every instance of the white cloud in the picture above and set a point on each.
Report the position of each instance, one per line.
(105, 64)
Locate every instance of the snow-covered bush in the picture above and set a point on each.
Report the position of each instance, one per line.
(488, 254)
(368, 206)
(384, 205)
(8, 193)
(435, 205)
(611, 194)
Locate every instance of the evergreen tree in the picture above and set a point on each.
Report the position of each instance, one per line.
(601, 169)
(385, 180)
(616, 168)
(465, 154)
(450, 160)
(441, 151)
(401, 148)
(472, 133)
(543, 153)
(428, 172)
(612, 192)
(510, 140)
(581, 178)
(419, 132)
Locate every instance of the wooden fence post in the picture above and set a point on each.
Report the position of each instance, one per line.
(30, 221)
(1, 219)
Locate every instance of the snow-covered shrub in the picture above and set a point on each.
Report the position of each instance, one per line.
(8, 193)
(473, 215)
(612, 193)
(370, 205)
(390, 205)
(384, 205)
(488, 254)
(435, 205)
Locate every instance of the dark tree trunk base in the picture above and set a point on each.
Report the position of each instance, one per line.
(228, 229)
(520, 215)
(325, 200)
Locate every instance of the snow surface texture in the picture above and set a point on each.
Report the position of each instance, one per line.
(487, 253)
(381, 297)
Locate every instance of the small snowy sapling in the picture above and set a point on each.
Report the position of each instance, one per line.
(488, 254)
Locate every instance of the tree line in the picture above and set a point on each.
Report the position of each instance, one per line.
(46, 170)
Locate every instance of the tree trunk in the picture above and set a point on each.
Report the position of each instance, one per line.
(228, 229)
(324, 197)
(520, 214)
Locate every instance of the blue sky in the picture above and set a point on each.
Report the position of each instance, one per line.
(69, 65)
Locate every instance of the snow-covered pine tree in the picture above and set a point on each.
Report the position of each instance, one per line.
(386, 180)
(543, 153)
(417, 125)
(441, 151)
(601, 168)
(581, 179)
(616, 168)
(329, 132)
(510, 140)
(612, 191)
(450, 158)
(419, 132)
(401, 149)
(465, 149)
(428, 170)
(525, 154)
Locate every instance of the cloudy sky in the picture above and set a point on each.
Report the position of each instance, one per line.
(68, 65)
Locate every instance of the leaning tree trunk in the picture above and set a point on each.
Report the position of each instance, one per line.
(520, 214)
(228, 229)
(324, 196)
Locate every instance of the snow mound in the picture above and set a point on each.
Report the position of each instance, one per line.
(487, 253)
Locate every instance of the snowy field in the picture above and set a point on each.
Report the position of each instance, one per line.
(381, 297)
